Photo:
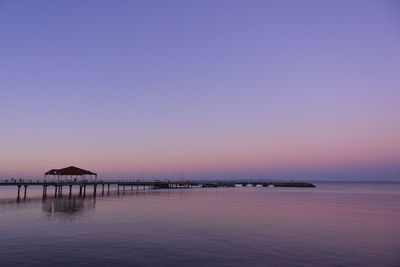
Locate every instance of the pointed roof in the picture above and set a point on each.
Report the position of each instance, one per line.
(72, 170)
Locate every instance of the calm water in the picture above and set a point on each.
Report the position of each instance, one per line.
(331, 225)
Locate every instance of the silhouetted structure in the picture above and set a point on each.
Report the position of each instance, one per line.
(71, 172)
(157, 184)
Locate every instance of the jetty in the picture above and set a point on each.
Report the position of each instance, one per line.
(66, 186)
(62, 180)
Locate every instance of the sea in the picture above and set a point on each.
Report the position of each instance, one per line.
(333, 224)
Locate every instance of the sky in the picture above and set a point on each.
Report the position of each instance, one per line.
(299, 90)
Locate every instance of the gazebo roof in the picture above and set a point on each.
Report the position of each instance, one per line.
(72, 170)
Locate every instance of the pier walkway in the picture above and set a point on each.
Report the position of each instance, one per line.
(130, 184)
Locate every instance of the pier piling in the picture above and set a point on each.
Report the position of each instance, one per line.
(25, 187)
(44, 191)
(19, 190)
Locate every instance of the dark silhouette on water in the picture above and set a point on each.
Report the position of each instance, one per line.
(157, 184)
(68, 173)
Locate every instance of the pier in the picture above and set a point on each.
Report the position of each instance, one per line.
(58, 188)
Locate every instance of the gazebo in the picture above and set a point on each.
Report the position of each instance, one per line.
(72, 172)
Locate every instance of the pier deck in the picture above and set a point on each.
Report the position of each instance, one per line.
(122, 184)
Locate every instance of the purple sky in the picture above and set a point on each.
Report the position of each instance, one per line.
(272, 89)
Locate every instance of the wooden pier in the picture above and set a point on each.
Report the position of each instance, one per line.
(66, 186)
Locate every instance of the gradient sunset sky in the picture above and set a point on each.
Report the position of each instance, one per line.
(302, 90)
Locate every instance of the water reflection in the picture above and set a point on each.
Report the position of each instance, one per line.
(72, 207)
(332, 225)
(68, 207)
